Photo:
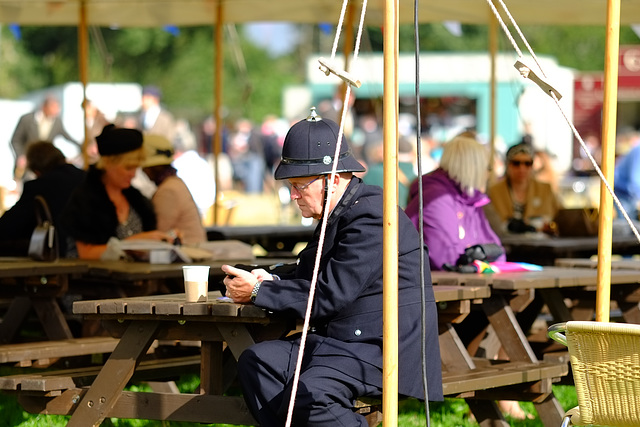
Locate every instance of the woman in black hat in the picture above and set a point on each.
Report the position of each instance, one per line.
(343, 354)
(106, 205)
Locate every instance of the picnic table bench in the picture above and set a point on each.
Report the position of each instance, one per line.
(44, 352)
(90, 396)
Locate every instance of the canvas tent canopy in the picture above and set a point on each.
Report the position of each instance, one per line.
(151, 13)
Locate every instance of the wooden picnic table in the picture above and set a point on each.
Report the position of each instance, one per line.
(143, 278)
(43, 286)
(275, 239)
(623, 263)
(556, 284)
(35, 284)
(509, 290)
(227, 328)
(544, 250)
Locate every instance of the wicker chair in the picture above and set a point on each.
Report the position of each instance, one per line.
(605, 359)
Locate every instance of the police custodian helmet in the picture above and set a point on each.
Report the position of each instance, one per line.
(309, 147)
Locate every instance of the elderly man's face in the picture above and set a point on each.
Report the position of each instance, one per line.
(308, 193)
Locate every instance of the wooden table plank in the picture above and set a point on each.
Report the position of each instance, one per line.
(456, 293)
(625, 263)
(29, 268)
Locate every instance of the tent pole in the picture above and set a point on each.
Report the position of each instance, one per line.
(390, 216)
(609, 113)
(347, 48)
(83, 57)
(217, 108)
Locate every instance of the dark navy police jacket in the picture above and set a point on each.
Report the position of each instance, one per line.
(348, 297)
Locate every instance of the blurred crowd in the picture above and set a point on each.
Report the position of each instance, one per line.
(523, 186)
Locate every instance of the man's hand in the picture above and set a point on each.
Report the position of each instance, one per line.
(240, 282)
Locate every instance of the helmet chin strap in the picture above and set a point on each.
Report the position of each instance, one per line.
(326, 194)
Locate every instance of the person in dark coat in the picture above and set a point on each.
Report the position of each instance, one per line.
(55, 181)
(106, 205)
(343, 352)
(44, 124)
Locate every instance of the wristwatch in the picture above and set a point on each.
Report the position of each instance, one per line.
(254, 292)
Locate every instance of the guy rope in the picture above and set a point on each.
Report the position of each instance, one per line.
(608, 132)
(328, 68)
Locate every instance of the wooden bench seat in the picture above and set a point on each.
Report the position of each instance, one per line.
(57, 392)
(43, 351)
(490, 375)
(53, 383)
(490, 380)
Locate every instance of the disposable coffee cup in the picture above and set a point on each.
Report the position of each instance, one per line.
(196, 282)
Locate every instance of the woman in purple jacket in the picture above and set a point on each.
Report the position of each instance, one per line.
(453, 196)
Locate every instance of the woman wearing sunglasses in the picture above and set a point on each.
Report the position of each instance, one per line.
(523, 203)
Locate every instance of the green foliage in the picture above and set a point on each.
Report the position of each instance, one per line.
(19, 70)
(183, 64)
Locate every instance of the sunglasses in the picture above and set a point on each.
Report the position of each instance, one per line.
(517, 163)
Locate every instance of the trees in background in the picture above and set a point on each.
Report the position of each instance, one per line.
(181, 61)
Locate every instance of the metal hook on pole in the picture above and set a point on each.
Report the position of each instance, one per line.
(528, 73)
(328, 68)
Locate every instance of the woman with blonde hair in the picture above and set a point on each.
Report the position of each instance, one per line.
(453, 217)
(106, 205)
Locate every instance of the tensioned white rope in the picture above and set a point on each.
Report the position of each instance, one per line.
(526, 72)
(329, 188)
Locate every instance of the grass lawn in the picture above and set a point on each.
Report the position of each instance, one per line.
(450, 413)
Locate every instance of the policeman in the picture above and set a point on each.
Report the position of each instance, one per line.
(343, 352)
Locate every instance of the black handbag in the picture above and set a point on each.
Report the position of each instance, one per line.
(487, 252)
(43, 245)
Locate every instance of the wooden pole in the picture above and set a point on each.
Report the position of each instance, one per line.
(217, 108)
(609, 113)
(493, 51)
(83, 58)
(347, 48)
(390, 216)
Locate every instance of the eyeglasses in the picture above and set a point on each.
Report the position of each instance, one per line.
(517, 163)
(301, 188)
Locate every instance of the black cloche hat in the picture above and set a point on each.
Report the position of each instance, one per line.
(114, 140)
(309, 147)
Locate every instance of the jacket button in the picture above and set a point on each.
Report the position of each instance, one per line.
(358, 332)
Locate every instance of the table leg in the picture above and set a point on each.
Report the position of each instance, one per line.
(452, 351)
(211, 368)
(548, 411)
(13, 318)
(52, 318)
(630, 312)
(555, 301)
(115, 374)
(502, 318)
(515, 344)
(237, 337)
(583, 310)
(627, 297)
(455, 358)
